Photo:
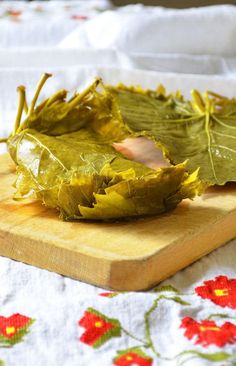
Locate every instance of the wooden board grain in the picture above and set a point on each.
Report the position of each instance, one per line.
(133, 255)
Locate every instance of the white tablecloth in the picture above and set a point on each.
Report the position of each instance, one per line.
(48, 319)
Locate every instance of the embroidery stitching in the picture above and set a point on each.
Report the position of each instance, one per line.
(221, 291)
(13, 329)
(205, 332)
(98, 328)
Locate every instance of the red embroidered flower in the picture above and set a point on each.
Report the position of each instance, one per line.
(207, 332)
(132, 357)
(98, 328)
(14, 13)
(13, 328)
(221, 291)
(108, 294)
(79, 17)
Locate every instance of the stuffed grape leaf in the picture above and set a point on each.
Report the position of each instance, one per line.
(65, 157)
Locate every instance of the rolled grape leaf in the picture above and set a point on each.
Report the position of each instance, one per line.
(64, 157)
(201, 131)
(84, 177)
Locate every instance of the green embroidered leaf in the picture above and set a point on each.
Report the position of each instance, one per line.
(166, 288)
(64, 156)
(219, 315)
(17, 337)
(215, 357)
(4, 343)
(202, 131)
(1, 363)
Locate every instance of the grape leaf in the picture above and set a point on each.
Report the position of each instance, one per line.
(84, 177)
(202, 131)
(64, 156)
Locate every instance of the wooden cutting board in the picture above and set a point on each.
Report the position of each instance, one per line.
(133, 255)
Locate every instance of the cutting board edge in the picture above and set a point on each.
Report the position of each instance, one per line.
(154, 262)
(37, 253)
(118, 275)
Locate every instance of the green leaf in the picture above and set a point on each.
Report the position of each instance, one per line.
(202, 131)
(215, 357)
(220, 315)
(83, 177)
(66, 159)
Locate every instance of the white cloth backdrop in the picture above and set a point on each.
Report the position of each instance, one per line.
(77, 40)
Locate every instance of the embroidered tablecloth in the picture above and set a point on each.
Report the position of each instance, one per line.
(48, 319)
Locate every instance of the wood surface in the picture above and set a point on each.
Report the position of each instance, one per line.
(133, 255)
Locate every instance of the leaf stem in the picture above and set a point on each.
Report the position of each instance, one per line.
(26, 108)
(41, 83)
(21, 92)
(4, 140)
(59, 95)
(216, 95)
(198, 101)
(181, 363)
(135, 338)
(147, 325)
(75, 100)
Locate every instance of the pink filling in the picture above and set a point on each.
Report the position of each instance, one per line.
(143, 151)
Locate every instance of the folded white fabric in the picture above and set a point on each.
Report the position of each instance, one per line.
(58, 57)
(208, 30)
